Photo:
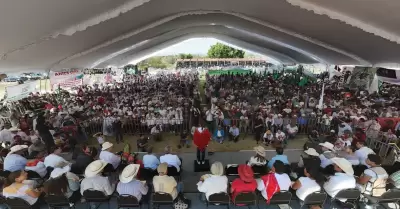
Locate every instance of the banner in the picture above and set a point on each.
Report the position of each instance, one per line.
(20, 91)
(388, 123)
(67, 79)
(91, 79)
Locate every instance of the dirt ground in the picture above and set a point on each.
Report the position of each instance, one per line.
(245, 143)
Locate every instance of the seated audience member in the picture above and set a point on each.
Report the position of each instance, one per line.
(15, 160)
(156, 132)
(107, 156)
(280, 138)
(234, 133)
(37, 146)
(279, 156)
(16, 187)
(292, 130)
(84, 158)
(394, 181)
(95, 181)
(327, 154)
(63, 183)
(150, 160)
(215, 183)
(268, 137)
(373, 180)
(184, 140)
(219, 135)
(53, 159)
(36, 165)
(362, 152)
(359, 136)
(170, 159)
(350, 156)
(245, 182)
(310, 183)
(129, 185)
(343, 178)
(276, 180)
(142, 143)
(309, 156)
(259, 159)
(164, 183)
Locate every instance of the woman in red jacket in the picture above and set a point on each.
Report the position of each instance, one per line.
(201, 137)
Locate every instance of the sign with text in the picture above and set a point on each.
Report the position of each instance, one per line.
(66, 79)
(20, 91)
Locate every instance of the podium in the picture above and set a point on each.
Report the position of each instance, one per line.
(201, 167)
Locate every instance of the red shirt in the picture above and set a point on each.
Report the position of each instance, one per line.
(238, 186)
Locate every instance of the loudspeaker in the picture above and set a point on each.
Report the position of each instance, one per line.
(201, 167)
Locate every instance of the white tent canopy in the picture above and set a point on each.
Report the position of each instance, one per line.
(57, 34)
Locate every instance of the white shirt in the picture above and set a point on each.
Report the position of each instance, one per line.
(100, 139)
(6, 136)
(324, 160)
(283, 180)
(338, 182)
(40, 169)
(209, 115)
(54, 160)
(308, 186)
(213, 185)
(110, 158)
(253, 161)
(171, 160)
(280, 136)
(363, 153)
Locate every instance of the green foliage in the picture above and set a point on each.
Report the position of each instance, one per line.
(185, 56)
(220, 50)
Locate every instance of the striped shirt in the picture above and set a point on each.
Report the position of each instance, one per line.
(134, 188)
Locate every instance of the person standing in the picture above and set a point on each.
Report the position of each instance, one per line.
(44, 132)
(201, 138)
(258, 128)
(118, 130)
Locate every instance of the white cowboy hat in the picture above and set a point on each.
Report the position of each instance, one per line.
(343, 164)
(327, 145)
(260, 150)
(129, 173)
(14, 129)
(106, 145)
(312, 152)
(57, 172)
(17, 148)
(94, 168)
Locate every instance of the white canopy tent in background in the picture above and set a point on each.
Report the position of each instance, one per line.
(58, 34)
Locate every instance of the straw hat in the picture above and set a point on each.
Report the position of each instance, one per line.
(217, 169)
(14, 129)
(129, 173)
(312, 152)
(246, 173)
(343, 164)
(95, 168)
(162, 168)
(260, 150)
(106, 145)
(17, 148)
(57, 172)
(268, 132)
(327, 145)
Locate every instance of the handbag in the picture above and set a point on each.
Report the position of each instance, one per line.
(182, 203)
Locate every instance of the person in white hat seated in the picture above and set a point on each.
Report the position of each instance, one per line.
(170, 159)
(15, 186)
(215, 183)
(63, 183)
(259, 159)
(15, 160)
(16, 131)
(108, 156)
(164, 183)
(54, 159)
(129, 185)
(327, 154)
(342, 179)
(95, 181)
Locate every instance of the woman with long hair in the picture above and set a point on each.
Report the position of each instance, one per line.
(16, 186)
(63, 183)
(309, 184)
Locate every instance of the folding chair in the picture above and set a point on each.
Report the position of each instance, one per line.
(93, 196)
(219, 199)
(281, 198)
(147, 174)
(17, 203)
(259, 170)
(231, 171)
(351, 196)
(245, 199)
(128, 201)
(172, 171)
(159, 198)
(390, 196)
(57, 201)
(316, 198)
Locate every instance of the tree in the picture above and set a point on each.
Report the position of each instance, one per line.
(185, 56)
(220, 50)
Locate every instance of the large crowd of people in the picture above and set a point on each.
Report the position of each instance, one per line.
(274, 107)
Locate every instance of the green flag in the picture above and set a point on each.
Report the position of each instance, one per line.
(303, 81)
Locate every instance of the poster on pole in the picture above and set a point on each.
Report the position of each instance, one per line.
(20, 91)
(66, 79)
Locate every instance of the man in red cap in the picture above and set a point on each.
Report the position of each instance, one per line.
(201, 138)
